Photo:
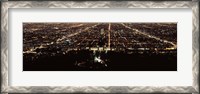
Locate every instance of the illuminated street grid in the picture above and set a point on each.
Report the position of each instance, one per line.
(118, 36)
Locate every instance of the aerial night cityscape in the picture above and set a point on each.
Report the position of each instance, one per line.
(99, 46)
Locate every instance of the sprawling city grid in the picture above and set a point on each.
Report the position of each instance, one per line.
(99, 46)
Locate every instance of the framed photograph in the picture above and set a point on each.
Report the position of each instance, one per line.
(100, 46)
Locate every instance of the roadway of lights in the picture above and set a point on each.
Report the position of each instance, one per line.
(71, 35)
(77, 25)
(109, 27)
(174, 46)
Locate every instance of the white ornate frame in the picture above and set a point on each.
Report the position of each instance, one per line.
(5, 88)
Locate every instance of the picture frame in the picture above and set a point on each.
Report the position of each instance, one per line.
(6, 5)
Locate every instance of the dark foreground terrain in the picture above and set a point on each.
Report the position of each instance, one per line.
(112, 61)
